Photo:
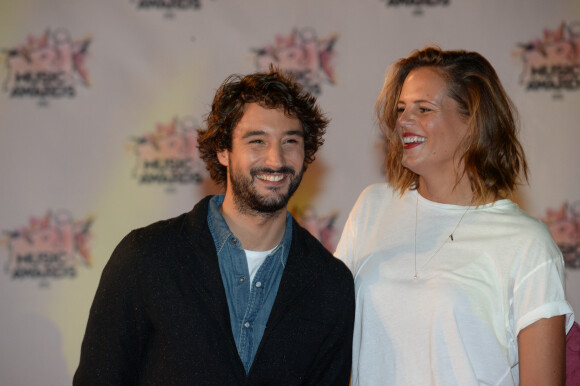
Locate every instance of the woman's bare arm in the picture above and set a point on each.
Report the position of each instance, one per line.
(542, 352)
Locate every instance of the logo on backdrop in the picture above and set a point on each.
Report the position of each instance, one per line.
(417, 4)
(50, 247)
(302, 54)
(564, 225)
(49, 66)
(552, 62)
(169, 6)
(321, 227)
(169, 155)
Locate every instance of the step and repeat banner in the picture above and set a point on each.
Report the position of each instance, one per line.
(100, 102)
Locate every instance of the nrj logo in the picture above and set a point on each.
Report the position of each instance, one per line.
(416, 4)
(552, 62)
(321, 227)
(168, 5)
(50, 247)
(169, 155)
(302, 54)
(49, 66)
(564, 225)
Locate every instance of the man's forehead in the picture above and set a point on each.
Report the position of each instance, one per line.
(259, 120)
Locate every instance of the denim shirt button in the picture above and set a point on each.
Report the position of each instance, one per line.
(247, 324)
(259, 284)
(242, 279)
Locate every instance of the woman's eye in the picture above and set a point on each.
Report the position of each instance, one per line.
(424, 109)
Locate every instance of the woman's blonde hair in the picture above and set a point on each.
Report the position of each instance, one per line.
(492, 154)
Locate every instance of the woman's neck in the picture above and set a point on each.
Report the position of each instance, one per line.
(446, 192)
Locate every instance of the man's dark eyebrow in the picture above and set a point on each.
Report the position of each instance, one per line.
(253, 133)
(299, 133)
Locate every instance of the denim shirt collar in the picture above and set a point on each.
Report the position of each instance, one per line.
(221, 232)
(249, 302)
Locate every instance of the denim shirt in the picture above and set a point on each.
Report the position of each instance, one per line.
(249, 303)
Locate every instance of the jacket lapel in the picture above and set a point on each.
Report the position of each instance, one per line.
(201, 261)
(299, 273)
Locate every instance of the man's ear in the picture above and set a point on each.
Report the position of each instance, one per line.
(223, 157)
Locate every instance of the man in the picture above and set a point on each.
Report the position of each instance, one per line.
(234, 292)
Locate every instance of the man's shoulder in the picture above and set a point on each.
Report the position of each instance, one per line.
(160, 244)
(159, 230)
(168, 229)
(162, 225)
(304, 238)
(316, 254)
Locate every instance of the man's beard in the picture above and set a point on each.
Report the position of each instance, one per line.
(249, 201)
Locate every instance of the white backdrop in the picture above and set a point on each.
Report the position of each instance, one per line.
(99, 101)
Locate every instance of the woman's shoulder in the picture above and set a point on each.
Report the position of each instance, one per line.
(515, 217)
(374, 201)
(376, 192)
(517, 230)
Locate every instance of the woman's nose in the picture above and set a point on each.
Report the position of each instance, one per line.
(405, 118)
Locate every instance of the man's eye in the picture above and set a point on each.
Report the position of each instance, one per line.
(424, 109)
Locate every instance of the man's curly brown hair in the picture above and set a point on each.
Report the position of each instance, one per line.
(271, 90)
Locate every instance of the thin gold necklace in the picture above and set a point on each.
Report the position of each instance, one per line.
(450, 237)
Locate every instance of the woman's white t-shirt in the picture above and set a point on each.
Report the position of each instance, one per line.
(458, 323)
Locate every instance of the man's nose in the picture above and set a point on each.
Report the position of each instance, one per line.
(275, 157)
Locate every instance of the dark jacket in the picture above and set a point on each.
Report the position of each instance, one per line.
(160, 315)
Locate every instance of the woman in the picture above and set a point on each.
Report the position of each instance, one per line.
(455, 284)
